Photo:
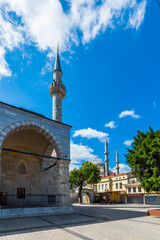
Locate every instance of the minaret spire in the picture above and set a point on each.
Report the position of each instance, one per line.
(57, 90)
(57, 65)
(106, 159)
(117, 163)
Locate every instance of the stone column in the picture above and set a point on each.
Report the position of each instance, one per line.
(63, 183)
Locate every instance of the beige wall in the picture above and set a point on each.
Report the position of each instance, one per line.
(114, 183)
(134, 189)
(104, 185)
(35, 181)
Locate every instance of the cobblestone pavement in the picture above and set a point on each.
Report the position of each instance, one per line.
(113, 222)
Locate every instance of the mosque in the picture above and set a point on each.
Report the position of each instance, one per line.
(35, 153)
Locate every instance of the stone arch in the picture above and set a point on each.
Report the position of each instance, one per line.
(36, 126)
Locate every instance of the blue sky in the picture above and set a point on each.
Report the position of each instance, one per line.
(109, 54)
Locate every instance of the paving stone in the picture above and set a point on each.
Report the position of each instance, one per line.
(78, 226)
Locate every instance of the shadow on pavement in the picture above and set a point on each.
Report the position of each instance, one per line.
(85, 215)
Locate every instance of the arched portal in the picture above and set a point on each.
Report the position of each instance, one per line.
(24, 174)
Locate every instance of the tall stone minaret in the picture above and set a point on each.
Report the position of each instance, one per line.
(57, 90)
(117, 163)
(106, 159)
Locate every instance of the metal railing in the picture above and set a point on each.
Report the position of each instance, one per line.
(27, 201)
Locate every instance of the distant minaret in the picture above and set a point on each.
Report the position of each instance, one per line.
(57, 90)
(117, 163)
(106, 159)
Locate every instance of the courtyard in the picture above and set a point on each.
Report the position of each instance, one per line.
(96, 221)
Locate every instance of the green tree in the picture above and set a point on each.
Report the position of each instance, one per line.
(144, 159)
(88, 173)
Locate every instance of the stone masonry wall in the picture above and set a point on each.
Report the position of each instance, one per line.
(9, 115)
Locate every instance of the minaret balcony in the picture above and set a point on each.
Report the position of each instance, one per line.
(57, 87)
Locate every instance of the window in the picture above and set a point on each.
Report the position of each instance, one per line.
(106, 186)
(102, 186)
(132, 181)
(139, 189)
(22, 169)
(134, 189)
(116, 185)
(21, 193)
(129, 190)
(120, 185)
(99, 187)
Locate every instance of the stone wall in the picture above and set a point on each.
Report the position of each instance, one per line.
(35, 181)
(61, 132)
(54, 181)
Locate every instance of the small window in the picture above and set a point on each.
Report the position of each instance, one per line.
(129, 190)
(102, 186)
(21, 193)
(22, 169)
(120, 185)
(139, 189)
(132, 181)
(134, 189)
(106, 186)
(116, 185)
(99, 187)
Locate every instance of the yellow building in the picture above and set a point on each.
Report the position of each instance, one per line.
(121, 188)
(112, 188)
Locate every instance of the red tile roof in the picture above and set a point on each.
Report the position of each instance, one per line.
(115, 175)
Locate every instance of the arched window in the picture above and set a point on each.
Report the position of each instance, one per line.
(22, 169)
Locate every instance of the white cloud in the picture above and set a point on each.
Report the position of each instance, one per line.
(111, 124)
(81, 153)
(4, 68)
(137, 17)
(129, 113)
(43, 23)
(123, 168)
(128, 143)
(91, 133)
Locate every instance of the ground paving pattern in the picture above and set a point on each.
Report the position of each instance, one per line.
(114, 222)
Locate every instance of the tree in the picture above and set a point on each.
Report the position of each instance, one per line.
(88, 173)
(144, 159)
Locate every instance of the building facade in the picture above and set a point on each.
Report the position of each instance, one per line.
(35, 152)
(111, 188)
(121, 188)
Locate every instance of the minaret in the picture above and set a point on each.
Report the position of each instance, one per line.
(106, 159)
(117, 163)
(57, 90)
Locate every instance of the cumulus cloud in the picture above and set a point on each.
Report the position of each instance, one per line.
(111, 124)
(81, 153)
(123, 168)
(128, 143)
(91, 133)
(129, 113)
(43, 23)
